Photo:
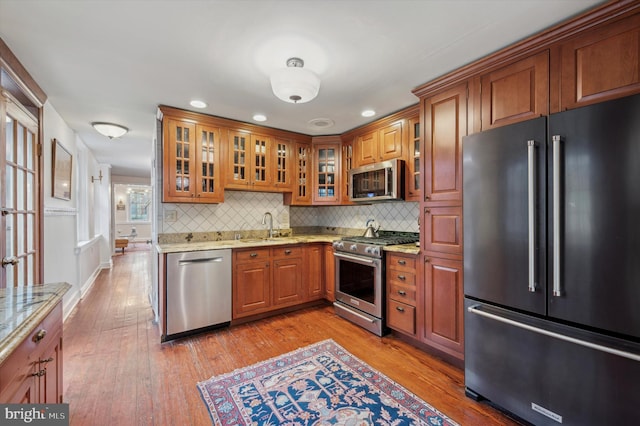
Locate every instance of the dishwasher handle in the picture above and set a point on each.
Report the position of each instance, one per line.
(201, 260)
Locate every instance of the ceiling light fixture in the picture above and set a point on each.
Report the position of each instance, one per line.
(260, 117)
(368, 113)
(198, 104)
(294, 83)
(110, 130)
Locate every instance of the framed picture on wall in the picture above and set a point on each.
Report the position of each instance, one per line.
(61, 167)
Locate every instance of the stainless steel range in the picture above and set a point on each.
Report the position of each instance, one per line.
(360, 277)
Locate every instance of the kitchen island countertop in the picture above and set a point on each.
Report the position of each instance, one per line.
(22, 309)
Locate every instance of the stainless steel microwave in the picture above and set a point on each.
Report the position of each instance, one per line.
(382, 181)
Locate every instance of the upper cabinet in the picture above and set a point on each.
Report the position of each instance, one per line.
(599, 65)
(412, 172)
(514, 93)
(347, 164)
(301, 186)
(192, 162)
(250, 164)
(379, 145)
(445, 123)
(326, 170)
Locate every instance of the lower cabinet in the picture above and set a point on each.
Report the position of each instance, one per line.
(32, 374)
(315, 276)
(442, 310)
(401, 292)
(329, 273)
(266, 279)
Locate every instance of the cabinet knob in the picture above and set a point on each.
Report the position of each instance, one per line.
(287, 252)
(402, 277)
(39, 335)
(402, 262)
(426, 260)
(253, 255)
(40, 373)
(399, 308)
(44, 361)
(402, 292)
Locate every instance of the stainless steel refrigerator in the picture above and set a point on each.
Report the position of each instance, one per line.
(552, 266)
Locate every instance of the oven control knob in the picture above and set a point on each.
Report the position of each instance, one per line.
(338, 244)
(353, 247)
(374, 251)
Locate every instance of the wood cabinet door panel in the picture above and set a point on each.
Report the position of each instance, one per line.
(366, 148)
(251, 288)
(443, 304)
(401, 317)
(515, 93)
(601, 65)
(314, 271)
(287, 281)
(443, 230)
(329, 273)
(179, 164)
(445, 122)
(390, 142)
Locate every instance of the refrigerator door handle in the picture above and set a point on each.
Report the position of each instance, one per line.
(531, 153)
(476, 309)
(557, 176)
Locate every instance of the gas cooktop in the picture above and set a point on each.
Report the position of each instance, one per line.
(386, 238)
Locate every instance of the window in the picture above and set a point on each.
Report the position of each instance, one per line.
(139, 202)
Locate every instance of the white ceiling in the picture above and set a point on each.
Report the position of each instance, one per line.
(117, 60)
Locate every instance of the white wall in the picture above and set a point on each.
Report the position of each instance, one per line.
(64, 258)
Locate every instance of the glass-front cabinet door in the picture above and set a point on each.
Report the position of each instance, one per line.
(413, 163)
(262, 161)
(179, 139)
(209, 183)
(238, 164)
(283, 164)
(326, 173)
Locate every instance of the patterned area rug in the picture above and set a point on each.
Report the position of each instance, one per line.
(321, 384)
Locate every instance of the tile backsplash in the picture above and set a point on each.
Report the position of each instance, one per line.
(244, 210)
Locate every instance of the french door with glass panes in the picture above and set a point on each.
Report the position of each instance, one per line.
(19, 194)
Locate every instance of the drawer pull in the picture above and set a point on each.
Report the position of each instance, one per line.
(40, 373)
(402, 262)
(39, 335)
(253, 255)
(402, 277)
(287, 252)
(44, 361)
(399, 308)
(402, 292)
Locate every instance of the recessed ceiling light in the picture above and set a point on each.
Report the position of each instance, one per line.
(260, 117)
(198, 104)
(368, 113)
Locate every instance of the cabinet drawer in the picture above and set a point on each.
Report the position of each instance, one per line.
(402, 293)
(286, 251)
(401, 317)
(401, 263)
(248, 255)
(401, 277)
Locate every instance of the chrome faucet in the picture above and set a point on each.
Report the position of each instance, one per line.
(264, 222)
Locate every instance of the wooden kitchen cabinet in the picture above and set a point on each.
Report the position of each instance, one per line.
(301, 185)
(412, 169)
(192, 171)
(266, 279)
(380, 144)
(329, 273)
(33, 373)
(284, 164)
(347, 164)
(314, 276)
(287, 276)
(251, 161)
(598, 65)
(401, 292)
(516, 92)
(445, 123)
(251, 282)
(442, 230)
(442, 299)
(326, 170)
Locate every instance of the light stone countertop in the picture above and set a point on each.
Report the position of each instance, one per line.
(267, 242)
(245, 243)
(22, 309)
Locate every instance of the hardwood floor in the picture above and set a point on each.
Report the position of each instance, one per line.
(117, 372)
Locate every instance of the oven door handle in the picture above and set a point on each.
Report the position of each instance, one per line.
(355, 259)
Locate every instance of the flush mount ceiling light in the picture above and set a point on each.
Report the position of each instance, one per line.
(294, 83)
(110, 130)
(198, 104)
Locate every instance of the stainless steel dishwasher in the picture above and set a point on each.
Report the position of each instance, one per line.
(198, 290)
